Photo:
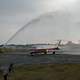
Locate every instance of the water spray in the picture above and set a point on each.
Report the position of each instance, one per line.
(22, 28)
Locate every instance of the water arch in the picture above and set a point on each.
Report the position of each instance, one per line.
(44, 29)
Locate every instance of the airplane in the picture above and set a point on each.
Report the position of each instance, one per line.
(40, 51)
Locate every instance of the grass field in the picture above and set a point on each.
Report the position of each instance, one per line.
(45, 72)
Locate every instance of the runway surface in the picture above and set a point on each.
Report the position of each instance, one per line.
(39, 59)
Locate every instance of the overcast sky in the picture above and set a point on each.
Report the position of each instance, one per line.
(14, 14)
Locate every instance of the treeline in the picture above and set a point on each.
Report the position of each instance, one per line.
(3, 50)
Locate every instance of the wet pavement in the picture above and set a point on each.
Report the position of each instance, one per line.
(39, 59)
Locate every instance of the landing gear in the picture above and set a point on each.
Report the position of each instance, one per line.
(54, 52)
(45, 52)
(32, 54)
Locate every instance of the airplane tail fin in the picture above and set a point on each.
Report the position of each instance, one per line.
(59, 43)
